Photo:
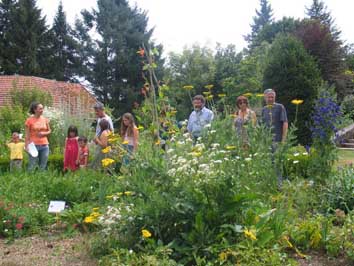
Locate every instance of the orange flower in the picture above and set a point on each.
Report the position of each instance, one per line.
(141, 52)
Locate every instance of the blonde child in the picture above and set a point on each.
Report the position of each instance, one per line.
(130, 135)
(16, 147)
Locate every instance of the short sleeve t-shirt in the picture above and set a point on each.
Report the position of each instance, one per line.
(83, 153)
(36, 125)
(274, 117)
(16, 150)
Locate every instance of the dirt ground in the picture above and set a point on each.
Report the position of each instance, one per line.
(48, 251)
(316, 259)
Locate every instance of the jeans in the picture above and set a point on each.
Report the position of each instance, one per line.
(42, 159)
(127, 157)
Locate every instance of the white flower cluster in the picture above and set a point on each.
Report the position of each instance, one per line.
(114, 216)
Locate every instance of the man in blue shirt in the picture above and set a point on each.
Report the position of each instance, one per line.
(200, 117)
(274, 116)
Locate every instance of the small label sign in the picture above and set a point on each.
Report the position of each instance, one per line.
(56, 206)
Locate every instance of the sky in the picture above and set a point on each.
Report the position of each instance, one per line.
(181, 23)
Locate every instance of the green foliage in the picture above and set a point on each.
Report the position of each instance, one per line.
(263, 18)
(339, 191)
(12, 119)
(297, 162)
(113, 66)
(64, 60)
(294, 75)
(195, 67)
(24, 98)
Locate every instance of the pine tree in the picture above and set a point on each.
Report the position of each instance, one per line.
(318, 11)
(7, 55)
(64, 51)
(116, 68)
(29, 35)
(263, 17)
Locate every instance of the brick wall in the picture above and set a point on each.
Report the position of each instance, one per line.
(68, 97)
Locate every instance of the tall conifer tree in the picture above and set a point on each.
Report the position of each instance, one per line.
(116, 68)
(263, 17)
(7, 55)
(29, 36)
(64, 61)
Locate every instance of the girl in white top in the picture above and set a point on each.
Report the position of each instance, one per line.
(129, 132)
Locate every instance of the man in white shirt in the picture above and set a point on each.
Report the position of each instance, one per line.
(200, 117)
(100, 114)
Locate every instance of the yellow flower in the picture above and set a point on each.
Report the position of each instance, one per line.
(89, 219)
(110, 133)
(158, 142)
(171, 132)
(95, 209)
(106, 150)
(125, 142)
(210, 97)
(145, 233)
(113, 139)
(259, 95)
(297, 101)
(223, 256)
(209, 87)
(230, 147)
(250, 234)
(119, 194)
(95, 214)
(128, 193)
(107, 161)
(222, 95)
(196, 154)
(109, 197)
(286, 239)
(188, 87)
(140, 128)
(173, 112)
(247, 94)
(206, 93)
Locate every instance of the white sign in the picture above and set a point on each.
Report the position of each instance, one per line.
(56, 206)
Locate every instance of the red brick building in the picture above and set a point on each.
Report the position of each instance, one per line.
(68, 97)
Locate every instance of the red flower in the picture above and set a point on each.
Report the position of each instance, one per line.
(19, 226)
(141, 52)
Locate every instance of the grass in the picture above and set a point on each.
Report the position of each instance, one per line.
(345, 157)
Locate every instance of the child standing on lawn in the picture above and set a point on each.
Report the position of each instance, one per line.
(16, 147)
(83, 153)
(71, 151)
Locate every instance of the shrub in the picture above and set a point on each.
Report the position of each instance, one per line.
(296, 162)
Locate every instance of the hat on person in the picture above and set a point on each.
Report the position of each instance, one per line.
(99, 106)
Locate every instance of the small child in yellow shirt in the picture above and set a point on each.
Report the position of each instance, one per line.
(16, 147)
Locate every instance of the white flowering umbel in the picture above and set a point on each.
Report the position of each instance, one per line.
(116, 216)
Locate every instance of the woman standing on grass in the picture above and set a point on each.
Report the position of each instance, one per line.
(37, 131)
(244, 118)
(130, 135)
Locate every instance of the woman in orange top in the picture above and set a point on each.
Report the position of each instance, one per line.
(37, 131)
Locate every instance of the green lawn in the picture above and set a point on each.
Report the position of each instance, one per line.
(345, 157)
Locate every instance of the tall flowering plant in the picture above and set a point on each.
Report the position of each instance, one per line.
(325, 118)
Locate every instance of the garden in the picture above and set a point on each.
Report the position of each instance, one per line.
(180, 200)
(212, 202)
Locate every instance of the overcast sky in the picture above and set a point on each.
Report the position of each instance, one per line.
(183, 22)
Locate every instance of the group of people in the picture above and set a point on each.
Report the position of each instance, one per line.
(273, 116)
(76, 151)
